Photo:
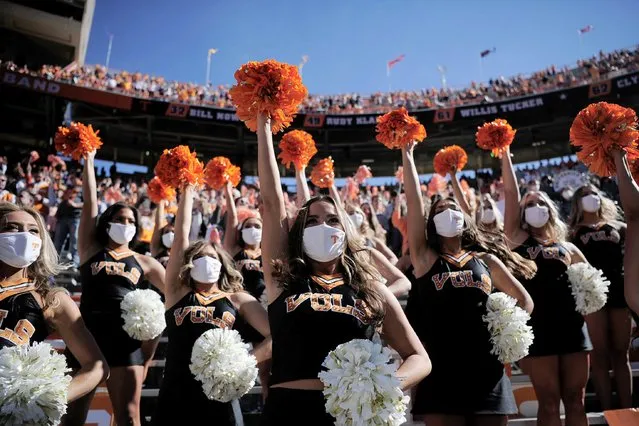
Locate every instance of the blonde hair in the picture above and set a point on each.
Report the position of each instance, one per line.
(47, 264)
(230, 280)
(608, 211)
(556, 228)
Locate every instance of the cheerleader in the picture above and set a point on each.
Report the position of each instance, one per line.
(204, 291)
(163, 235)
(629, 194)
(372, 221)
(30, 309)
(558, 360)
(319, 258)
(395, 280)
(488, 215)
(456, 269)
(597, 230)
(357, 216)
(109, 270)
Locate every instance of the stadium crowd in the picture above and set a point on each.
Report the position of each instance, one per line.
(153, 87)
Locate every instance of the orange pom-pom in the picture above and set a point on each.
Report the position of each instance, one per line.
(219, 171)
(437, 185)
(397, 129)
(600, 128)
(495, 136)
(179, 167)
(363, 173)
(450, 158)
(634, 169)
(77, 140)
(158, 191)
(244, 213)
(323, 174)
(271, 88)
(399, 175)
(298, 147)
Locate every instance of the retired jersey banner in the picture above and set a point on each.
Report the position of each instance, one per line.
(526, 110)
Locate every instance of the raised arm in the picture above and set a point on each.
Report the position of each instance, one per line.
(512, 226)
(459, 194)
(182, 227)
(230, 231)
(87, 243)
(273, 209)
(335, 194)
(303, 193)
(628, 188)
(156, 238)
(420, 256)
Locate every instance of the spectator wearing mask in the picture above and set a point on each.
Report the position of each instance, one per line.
(68, 220)
(5, 195)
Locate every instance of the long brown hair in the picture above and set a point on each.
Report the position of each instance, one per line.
(47, 265)
(481, 240)
(608, 211)
(354, 262)
(230, 280)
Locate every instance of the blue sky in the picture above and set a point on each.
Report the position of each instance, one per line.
(350, 41)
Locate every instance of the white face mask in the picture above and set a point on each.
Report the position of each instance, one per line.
(357, 219)
(537, 216)
(19, 249)
(167, 239)
(449, 223)
(252, 236)
(206, 270)
(488, 216)
(121, 234)
(591, 203)
(323, 243)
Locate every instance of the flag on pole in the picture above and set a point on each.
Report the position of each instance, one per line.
(585, 29)
(395, 61)
(487, 52)
(304, 61)
(212, 51)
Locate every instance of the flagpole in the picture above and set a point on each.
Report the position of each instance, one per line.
(388, 77)
(208, 68)
(481, 68)
(108, 55)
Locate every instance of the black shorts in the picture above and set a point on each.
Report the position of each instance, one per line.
(296, 407)
(119, 349)
(451, 392)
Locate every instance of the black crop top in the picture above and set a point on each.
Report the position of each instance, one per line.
(106, 278)
(186, 321)
(310, 319)
(21, 318)
(251, 270)
(603, 246)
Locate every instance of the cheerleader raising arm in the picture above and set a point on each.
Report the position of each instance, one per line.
(232, 222)
(174, 291)
(421, 256)
(275, 233)
(87, 242)
(332, 190)
(303, 193)
(459, 194)
(512, 215)
(629, 194)
(160, 222)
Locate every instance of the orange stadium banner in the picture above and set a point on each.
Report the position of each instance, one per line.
(537, 108)
(67, 91)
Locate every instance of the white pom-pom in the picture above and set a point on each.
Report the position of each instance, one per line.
(360, 385)
(143, 314)
(589, 287)
(510, 334)
(222, 362)
(33, 385)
